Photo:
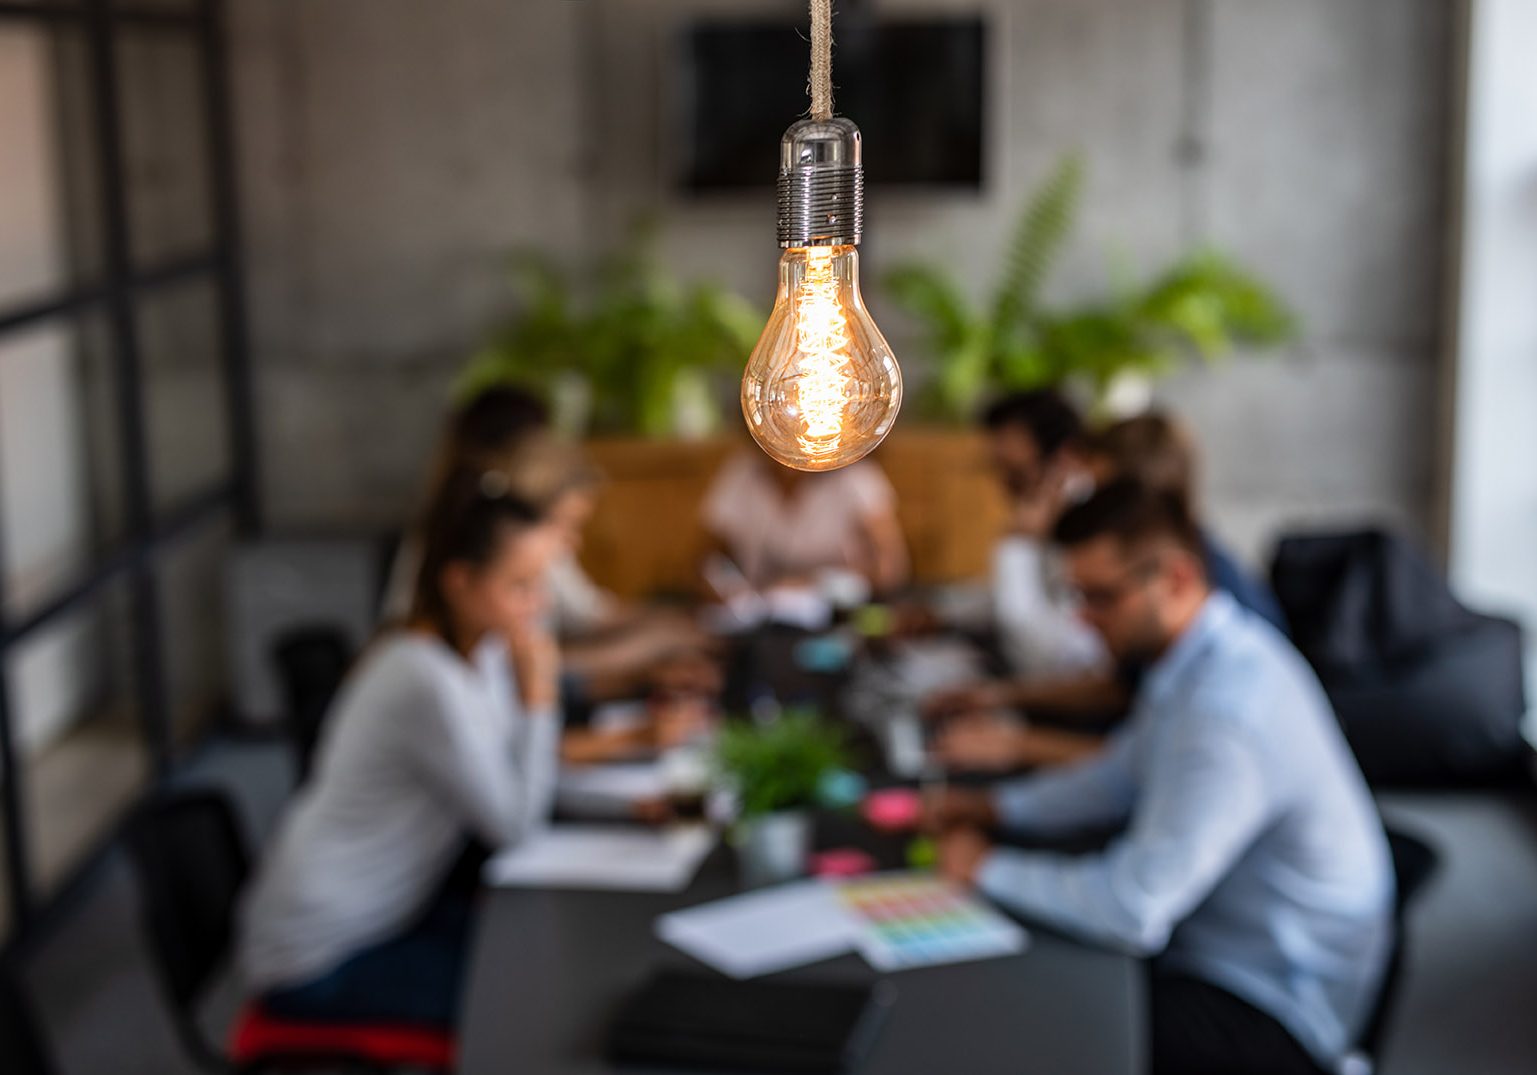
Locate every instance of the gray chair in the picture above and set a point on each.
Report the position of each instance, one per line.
(1414, 863)
(191, 860)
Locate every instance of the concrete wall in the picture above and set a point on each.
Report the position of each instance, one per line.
(392, 150)
(1326, 172)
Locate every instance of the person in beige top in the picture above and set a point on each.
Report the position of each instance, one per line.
(783, 526)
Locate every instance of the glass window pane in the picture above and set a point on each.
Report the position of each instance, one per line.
(165, 153)
(49, 214)
(183, 376)
(61, 502)
(190, 577)
(77, 731)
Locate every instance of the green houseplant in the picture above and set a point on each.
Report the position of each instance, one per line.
(643, 352)
(777, 770)
(1203, 305)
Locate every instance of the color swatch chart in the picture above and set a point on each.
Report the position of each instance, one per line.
(917, 920)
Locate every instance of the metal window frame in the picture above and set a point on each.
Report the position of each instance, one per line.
(149, 533)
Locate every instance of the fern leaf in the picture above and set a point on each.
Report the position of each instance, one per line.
(1048, 219)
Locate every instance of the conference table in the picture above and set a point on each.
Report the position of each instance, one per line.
(551, 968)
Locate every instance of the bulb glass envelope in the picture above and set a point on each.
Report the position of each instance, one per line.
(822, 387)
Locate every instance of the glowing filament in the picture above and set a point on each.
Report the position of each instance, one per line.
(822, 339)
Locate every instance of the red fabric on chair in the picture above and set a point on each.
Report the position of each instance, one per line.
(258, 1036)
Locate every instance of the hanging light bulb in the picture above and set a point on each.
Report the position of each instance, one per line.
(822, 388)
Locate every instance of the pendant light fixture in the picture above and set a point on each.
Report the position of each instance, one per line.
(821, 388)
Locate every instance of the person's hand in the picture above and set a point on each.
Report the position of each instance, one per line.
(690, 673)
(959, 855)
(675, 723)
(653, 811)
(959, 807)
(990, 741)
(678, 631)
(971, 698)
(1036, 508)
(536, 663)
(646, 643)
(910, 619)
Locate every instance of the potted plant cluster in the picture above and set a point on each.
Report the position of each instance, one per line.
(778, 770)
(1203, 305)
(620, 346)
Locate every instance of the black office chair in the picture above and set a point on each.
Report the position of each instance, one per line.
(311, 662)
(1414, 863)
(191, 860)
(21, 1042)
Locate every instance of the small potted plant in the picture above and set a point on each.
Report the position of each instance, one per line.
(778, 770)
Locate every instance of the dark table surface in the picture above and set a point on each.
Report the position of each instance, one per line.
(550, 969)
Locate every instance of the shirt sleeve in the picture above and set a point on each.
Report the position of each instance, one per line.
(537, 757)
(502, 785)
(1096, 791)
(1201, 806)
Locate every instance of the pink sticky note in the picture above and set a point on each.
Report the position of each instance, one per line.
(841, 862)
(893, 809)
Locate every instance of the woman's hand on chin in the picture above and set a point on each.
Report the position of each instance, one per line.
(536, 662)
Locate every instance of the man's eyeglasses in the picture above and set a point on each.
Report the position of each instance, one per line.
(1103, 598)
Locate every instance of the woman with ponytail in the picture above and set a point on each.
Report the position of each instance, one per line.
(446, 735)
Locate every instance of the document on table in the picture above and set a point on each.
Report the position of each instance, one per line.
(895, 920)
(619, 857)
(765, 931)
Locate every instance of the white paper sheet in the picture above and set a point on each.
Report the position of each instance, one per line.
(765, 931)
(895, 921)
(619, 857)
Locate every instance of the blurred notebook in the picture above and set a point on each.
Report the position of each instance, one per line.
(684, 1020)
(767, 930)
(622, 857)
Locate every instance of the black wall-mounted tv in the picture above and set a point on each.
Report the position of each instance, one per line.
(915, 86)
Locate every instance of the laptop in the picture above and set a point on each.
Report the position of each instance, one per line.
(681, 1019)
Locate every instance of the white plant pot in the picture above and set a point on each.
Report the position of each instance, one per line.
(1128, 394)
(774, 847)
(571, 404)
(694, 413)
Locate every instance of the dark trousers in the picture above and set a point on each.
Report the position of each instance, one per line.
(414, 978)
(1200, 1029)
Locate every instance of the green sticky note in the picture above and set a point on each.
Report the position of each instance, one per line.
(922, 854)
(873, 621)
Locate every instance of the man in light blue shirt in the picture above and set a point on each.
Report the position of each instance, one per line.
(1253, 863)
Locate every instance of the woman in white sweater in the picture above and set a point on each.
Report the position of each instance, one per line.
(446, 734)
